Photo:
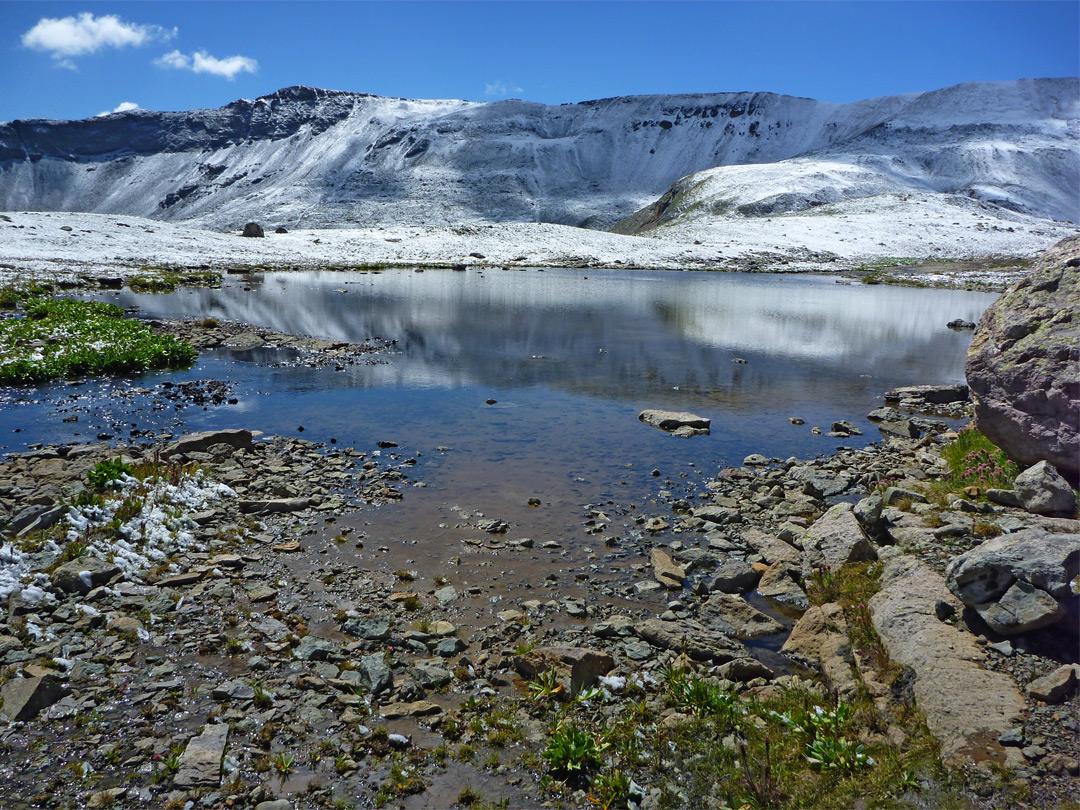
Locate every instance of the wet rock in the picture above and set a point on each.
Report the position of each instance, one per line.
(275, 505)
(947, 664)
(672, 420)
(200, 764)
(959, 324)
(780, 581)
(1041, 490)
(23, 698)
(755, 460)
(84, 574)
(734, 576)
(698, 642)
(733, 616)
(579, 667)
(844, 428)
(834, 539)
(1022, 366)
(665, 570)
(1056, 686)
(201, 442)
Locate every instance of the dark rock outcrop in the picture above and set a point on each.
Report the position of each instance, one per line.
(1023, 365)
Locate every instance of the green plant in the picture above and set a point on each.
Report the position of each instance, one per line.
(106, 472)
(976, 461)
(570, 749)
(467, 797)
(263, 698)
(62, 338)
(699, 697)
(283, 763)
(545, 686)
(610, 790)
(837, 755)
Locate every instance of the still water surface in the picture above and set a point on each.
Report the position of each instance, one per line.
(570, 356)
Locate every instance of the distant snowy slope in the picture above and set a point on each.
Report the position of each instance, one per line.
(312, 158)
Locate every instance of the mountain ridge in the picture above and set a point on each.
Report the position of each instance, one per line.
(308, 157)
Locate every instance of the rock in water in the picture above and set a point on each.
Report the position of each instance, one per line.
(687, 424)
(1023, 365)
(253, 229)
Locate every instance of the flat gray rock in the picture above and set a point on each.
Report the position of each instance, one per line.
(83, 574)
(967, 707)
(25, 697)
(199, 442)
(200, 764)
(1021, 609)
(734, 616)
(699, 642)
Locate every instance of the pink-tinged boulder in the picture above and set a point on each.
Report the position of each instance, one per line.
(1023, 365)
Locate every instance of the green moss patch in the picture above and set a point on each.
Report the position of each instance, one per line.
(62, 338)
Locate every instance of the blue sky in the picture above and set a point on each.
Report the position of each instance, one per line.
(75, 60)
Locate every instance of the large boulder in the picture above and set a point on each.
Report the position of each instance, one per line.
(253, 229)
(820, 640)
(1018, 582)
(1022, 365)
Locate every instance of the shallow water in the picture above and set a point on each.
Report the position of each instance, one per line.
(570, 357)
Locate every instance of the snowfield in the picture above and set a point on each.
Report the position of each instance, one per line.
(711, 179)
(832, 237)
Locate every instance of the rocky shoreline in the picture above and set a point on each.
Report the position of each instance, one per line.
(252, 644)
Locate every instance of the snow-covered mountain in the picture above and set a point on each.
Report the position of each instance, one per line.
(309, 158)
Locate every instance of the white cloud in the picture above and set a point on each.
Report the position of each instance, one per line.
(202, 62)
(123, 106)
(68, 37)
(501, 89)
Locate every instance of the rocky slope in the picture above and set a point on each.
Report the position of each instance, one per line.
(315, 158)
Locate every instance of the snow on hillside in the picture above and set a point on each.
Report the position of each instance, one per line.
(63, 245)
(307, 158)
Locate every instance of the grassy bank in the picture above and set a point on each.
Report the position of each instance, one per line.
(60, 339)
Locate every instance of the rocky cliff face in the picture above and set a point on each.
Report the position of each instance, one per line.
(1023, 365)
(316, 158)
